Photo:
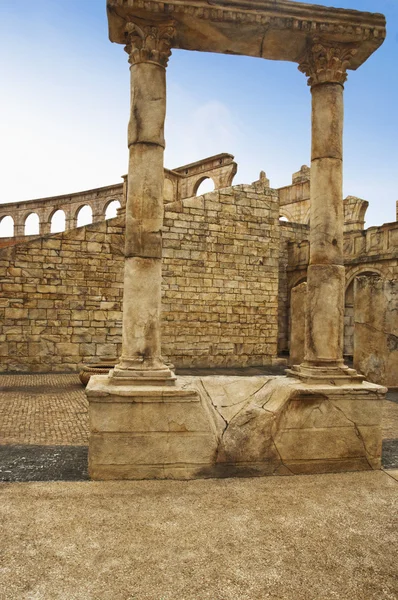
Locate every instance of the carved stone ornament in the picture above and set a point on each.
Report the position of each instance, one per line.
(326, 63)
(149, 43)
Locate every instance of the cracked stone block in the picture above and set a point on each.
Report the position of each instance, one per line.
(220, 426)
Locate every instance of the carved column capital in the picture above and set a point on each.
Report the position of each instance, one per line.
(325, 62)
(149, 43)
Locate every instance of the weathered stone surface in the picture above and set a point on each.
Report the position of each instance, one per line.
(230, 394)
(212, 427)
(298, 311)
(325, 313)
(255, 29)
(146, 417)
(376, 329)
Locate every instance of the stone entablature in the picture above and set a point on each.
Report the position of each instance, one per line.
(294, 199)
(259, 29)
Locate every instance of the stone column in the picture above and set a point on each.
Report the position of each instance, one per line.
(148, 47)
(325, 66)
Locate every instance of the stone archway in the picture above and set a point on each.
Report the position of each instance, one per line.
(349, 315)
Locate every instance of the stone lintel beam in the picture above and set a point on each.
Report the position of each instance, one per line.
(263, 28)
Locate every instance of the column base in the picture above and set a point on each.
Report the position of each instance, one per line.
(325, 374)
(120, 376)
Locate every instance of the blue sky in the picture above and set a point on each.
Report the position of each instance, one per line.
(64, 108)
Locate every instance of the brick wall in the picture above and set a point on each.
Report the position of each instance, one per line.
(61, 295)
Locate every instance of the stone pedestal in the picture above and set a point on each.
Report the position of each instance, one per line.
(147, 432)
(232, 426)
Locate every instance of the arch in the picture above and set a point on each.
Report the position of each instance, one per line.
(32, 224)
(362, 270)
(58, 221)
(296, 279)
(204, 185)
(349, 307)
(84, 215)
(6, 226)
(168, 190)
(111, 209)
(285, 215)
(300, 280)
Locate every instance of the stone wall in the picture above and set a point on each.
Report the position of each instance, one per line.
(376, 329)
(61, 295)
(221, 278)
(61, 299)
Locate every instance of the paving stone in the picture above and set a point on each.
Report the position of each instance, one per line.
(43, 409)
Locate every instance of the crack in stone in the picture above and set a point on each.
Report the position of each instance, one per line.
(357, 432)
(214, 406)
(280, 458)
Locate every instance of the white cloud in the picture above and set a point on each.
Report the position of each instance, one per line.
(195, 130)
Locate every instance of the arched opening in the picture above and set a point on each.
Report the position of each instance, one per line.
(168, 191)
(349, 315)
(84, 216)
(6, 227)
(58, 222)
(282, 218)
(285, 318)
(32, 224)
(204, 186)
(111, 209)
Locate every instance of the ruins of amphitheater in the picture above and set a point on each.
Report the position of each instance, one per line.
(245, 275)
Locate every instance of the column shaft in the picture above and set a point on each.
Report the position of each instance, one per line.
(141, 337)
(326, 278)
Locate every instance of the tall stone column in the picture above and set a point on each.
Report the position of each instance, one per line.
(148, 47)
(325, 66)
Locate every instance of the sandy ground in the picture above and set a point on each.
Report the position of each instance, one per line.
(319, 537)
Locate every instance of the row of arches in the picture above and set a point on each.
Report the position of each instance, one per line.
(58, 221)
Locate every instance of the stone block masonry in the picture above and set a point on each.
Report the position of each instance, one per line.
(61, 295)
(61, 299)
(221, 279)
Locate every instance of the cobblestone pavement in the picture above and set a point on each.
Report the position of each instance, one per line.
(43, 410)
(44, 428)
